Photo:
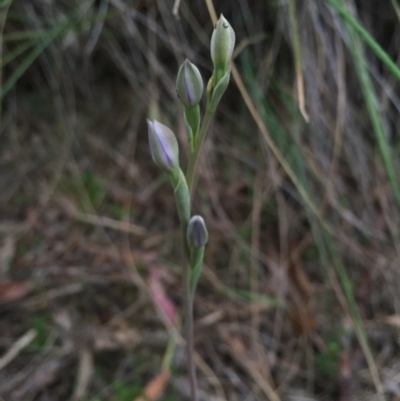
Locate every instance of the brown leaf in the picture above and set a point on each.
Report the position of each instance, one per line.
(300, 281)
(13, 290)
(300, 311)
(302, 318)
(155, 387)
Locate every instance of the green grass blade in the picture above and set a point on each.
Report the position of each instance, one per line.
(358, 324)
(365, 35)
(35, 53)
(371, 103)
(22, 35)
(10, 56)
(322, 237)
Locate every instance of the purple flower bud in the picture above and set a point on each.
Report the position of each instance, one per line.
(163, 146)
(197, 234)
(189, 84)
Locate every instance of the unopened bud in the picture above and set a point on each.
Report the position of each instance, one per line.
(197, 234)
(189, 84)
(163, 146)
(222, 44)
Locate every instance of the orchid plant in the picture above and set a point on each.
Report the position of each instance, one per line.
(164, 150)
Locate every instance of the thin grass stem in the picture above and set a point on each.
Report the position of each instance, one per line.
(366, 36)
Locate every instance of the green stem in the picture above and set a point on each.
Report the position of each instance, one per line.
(182, 200)
(188, 296)
(196, 266)
(194, 156)
(189, 332)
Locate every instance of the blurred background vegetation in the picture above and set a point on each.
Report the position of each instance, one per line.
(299, 186)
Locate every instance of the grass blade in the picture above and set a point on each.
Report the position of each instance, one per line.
(35, 53)
(365, 35)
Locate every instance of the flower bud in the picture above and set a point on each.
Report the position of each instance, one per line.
(163, 146)
(197, 234)
(222, 44)
(189, 84)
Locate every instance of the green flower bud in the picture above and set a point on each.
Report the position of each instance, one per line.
(189, 84)
(222, 44)
(163, 146)
(197, 234)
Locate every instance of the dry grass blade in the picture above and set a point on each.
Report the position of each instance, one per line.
(84, 374)
(238, 352)
(17, 347)
(297, 59)
(101, 221)
(393, 320)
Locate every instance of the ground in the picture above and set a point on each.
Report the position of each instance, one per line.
(299, 297)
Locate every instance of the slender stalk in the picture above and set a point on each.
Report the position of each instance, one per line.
(187, 293)
(182, 200)
(189, 334)
(194, 156)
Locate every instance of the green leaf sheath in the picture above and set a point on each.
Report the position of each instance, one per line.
(218, 74)
(192, 121)
(182, 197)
(218, 91)
(196, 266)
